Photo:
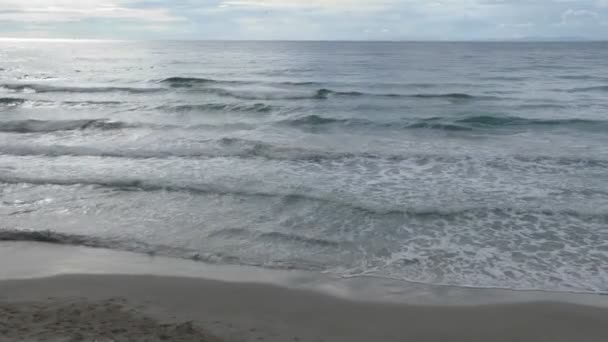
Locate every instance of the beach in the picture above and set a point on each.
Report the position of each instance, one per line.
(58, 300)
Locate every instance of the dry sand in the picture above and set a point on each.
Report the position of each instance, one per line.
(140, 308)
(82, 320)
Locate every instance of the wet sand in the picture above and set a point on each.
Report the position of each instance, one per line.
(121, 307)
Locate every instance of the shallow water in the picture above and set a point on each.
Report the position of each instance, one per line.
(474, 164)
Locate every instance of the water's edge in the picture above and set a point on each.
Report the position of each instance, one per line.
(34, 260)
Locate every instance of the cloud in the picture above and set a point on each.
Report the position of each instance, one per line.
(341, 5)
(306, 19)
(45, 11)
(579, 16)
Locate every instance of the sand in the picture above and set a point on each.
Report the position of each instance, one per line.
(71, 306)
(83, 320)
(139, 308)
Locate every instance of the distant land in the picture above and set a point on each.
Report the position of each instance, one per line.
(549, 39)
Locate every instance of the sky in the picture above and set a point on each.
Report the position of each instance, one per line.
(304, 19)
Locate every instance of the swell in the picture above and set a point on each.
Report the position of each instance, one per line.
(299, 239)
(188, 82)
(210, 86)
(43, 88)
(94, 103)
(146, 186)
(589, 89)
(15, 101)
(131, 245)
(274, 236)
(325, 94)
(45, 126)
(499, 121)
(581, 77)
(48, 236)
(121, 244)
(129, 185)
(243, 148)
(11, 101)
(445, 123)
(224, 107)
(249, 95)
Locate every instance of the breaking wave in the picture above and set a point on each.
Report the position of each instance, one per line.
(224, 107)
(11, 101)
(445, 123)
(37, 126)
(43, 88)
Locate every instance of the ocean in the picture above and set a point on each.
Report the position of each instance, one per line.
(467, 164)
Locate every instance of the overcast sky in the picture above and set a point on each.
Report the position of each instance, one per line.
(304, 19)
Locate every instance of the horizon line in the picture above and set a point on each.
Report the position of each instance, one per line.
(493, 40)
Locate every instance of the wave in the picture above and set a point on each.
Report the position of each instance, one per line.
(505, 78)
(244, 148)
(324, 93)
(224, 147)
(202, 81)
(458, 96)
(11, 101)
(580, 77)
(303, 83)
(443, 123)
(129, 185)
(241, 148)
(14, 101)
(541, 106)
(312, 121)
(208, 86)
(56, 238)
(500, 121)
(321, 94)
(49, 236)
(439, 126)
(131, 245)
(228, 107)
(43, 88)
(93, 103)
(141, 185)
(188, 82)
(274, 236)
(299, 239)
(589, 89)
(38, 126)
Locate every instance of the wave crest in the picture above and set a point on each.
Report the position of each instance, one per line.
(228, 107)
(11, 101)
(468, 123)
(43, 126)
(589, 89)
(497, 121)
(44, 88)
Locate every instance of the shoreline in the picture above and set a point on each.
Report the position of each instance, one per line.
(114, 295)
(42, 260)
(190, 309)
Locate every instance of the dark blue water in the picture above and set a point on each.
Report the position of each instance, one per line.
(473, 164)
